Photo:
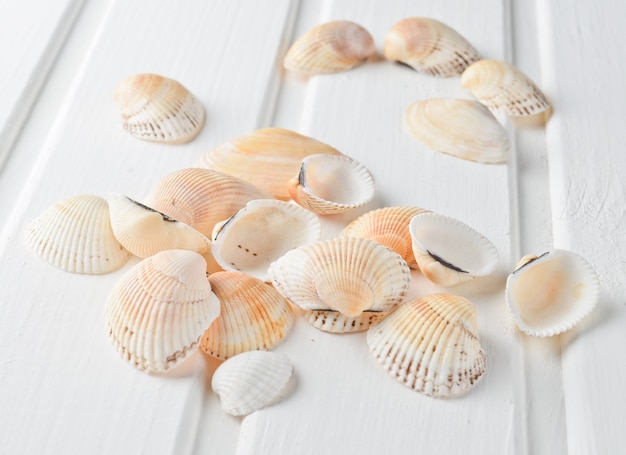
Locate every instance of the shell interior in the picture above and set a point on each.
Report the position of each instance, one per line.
(334, 322)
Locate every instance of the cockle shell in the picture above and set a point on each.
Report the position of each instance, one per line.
(156, 108)
(253, 316)
(334, 322)
(157, 311)
(329, 48)
(267, 158)
(75, 235)
(252, 380)
(431, 345)
(549, 294)
(448, 251)
(430, 47)
(462, 128)
(502, 87)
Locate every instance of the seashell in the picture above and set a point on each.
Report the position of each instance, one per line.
(430, 47)
(347, 274)
(331, 184)
(260, 233)
(549, 294)
(267, 158)
(502, 87)
(329, 48)
(252, 380)
(157, 312)
(462, 128)
(159, 109)
(431, 345)
(144, 231)
(75, 235)
(448, 251)
(388, 226)
(253, 316)
(334, 322)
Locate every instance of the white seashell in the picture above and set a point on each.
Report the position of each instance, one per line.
(431, 345)
(462, 128)
(75, 235)
(448, 251)
(252, 380)
(549, 294)
(334, 322)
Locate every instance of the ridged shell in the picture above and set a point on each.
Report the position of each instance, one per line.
(75, 235)
(253, 316)
(267, 158)
(157, 311)
(502, 87)
(329, 48)
(462, 128)
(430, 47)
(346, 274)
(334, 322)
(431, 345)
(252, 380)
(156, 108)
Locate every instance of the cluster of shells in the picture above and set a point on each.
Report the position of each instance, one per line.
(231, 247)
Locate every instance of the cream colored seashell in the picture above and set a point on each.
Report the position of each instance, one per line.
(388, 226)
(430, 47)
(502, 87)
(260, 233)
(331, 184)
(549, 294)
(329, 48)
(448, 251)
(334, 322)
(75, 235)
(254, 316)
(267, 158)
(252, 380)
(157, 312)
(347, 274)
(462, 128)
(144, 231)
(431, 345)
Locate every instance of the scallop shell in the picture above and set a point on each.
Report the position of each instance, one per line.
(144, 231)
(253, 316)
(549, 294)
(252, 380)
(159, 109)
(334, 322)
(347, 274)
(431, 345)
(260, 233)
(430, 47)
(331, 184)
(502, 87)
(462, 128)
(329, 48)
(157, 311)
(448, 251)
(267, 158)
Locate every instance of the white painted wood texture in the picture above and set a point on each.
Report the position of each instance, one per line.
(64, 390)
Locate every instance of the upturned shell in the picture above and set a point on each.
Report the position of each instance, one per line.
(157, 311)
(75, 235)
(329, 48)
(334, 322)
(156, 108)
(430, 47)
(431, 345)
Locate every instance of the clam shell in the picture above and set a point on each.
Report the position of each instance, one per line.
(430, 47)
(157, 312)
(330, 47)
(462, 128)
(253, 316)
(75, 235)
(334, 322)
(431, 345)
(156, 108)
(549, 294)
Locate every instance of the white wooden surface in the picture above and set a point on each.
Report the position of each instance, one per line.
(64, 390)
